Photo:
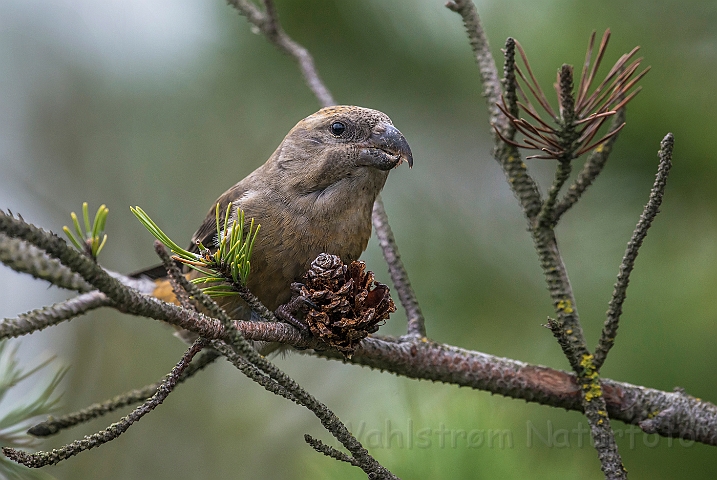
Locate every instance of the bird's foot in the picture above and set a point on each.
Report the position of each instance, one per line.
(287, 312)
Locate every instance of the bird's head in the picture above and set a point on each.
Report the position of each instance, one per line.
(342, 146)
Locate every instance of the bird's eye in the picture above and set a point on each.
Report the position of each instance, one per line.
(337, 128)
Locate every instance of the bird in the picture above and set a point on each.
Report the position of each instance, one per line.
(314, 195)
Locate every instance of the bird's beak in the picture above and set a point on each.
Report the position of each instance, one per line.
(385, 149)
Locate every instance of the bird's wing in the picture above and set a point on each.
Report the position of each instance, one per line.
(207, 231)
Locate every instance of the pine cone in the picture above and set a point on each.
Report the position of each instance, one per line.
(326, 271)
(348, 308)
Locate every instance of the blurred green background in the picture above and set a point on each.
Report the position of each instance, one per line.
(165, 104)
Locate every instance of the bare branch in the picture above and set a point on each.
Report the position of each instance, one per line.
(329, 451)
(286, 387)
(399, 276)
(41, 459)
(267, 22)
(53, 425)
(685, 416)
(41, 318)
(26, 258)
(609, 332)
(486, 65)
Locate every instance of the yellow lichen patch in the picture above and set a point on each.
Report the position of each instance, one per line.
(592, 387)
(565, 306)
(592, 391)
(587, 363)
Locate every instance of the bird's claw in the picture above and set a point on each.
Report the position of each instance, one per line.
(286, 314)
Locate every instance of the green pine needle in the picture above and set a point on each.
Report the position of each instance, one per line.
(92, 239)
(16, 420)
(162, 237)
(229, 265)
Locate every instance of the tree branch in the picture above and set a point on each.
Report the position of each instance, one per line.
(683, 416)
(25, 258)
(268, 24)
(42, 318)
(609, 332)
(53, 425)
(41, 459)
(329, 451)
(399, 276)
(486, 65)
(423, 359)
(525, 189)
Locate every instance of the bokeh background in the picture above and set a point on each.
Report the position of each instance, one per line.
(165, 104)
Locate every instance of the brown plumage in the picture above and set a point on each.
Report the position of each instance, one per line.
(314, 194)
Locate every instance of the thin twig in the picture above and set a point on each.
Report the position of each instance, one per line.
(399, 276)
(507, 155)
(328, 450)
(268, 24)
(53, 425)
(652, 208)
(486, 65)
(561, 336)
(255, 304)
(173, 275)
(286, 387)
(41, 318)
(510, 87)
(41, 459)
(547, 212)
(252, 372)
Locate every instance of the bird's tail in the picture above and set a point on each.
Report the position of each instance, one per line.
(162, 287)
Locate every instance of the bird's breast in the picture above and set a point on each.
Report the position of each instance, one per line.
(292, 236)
